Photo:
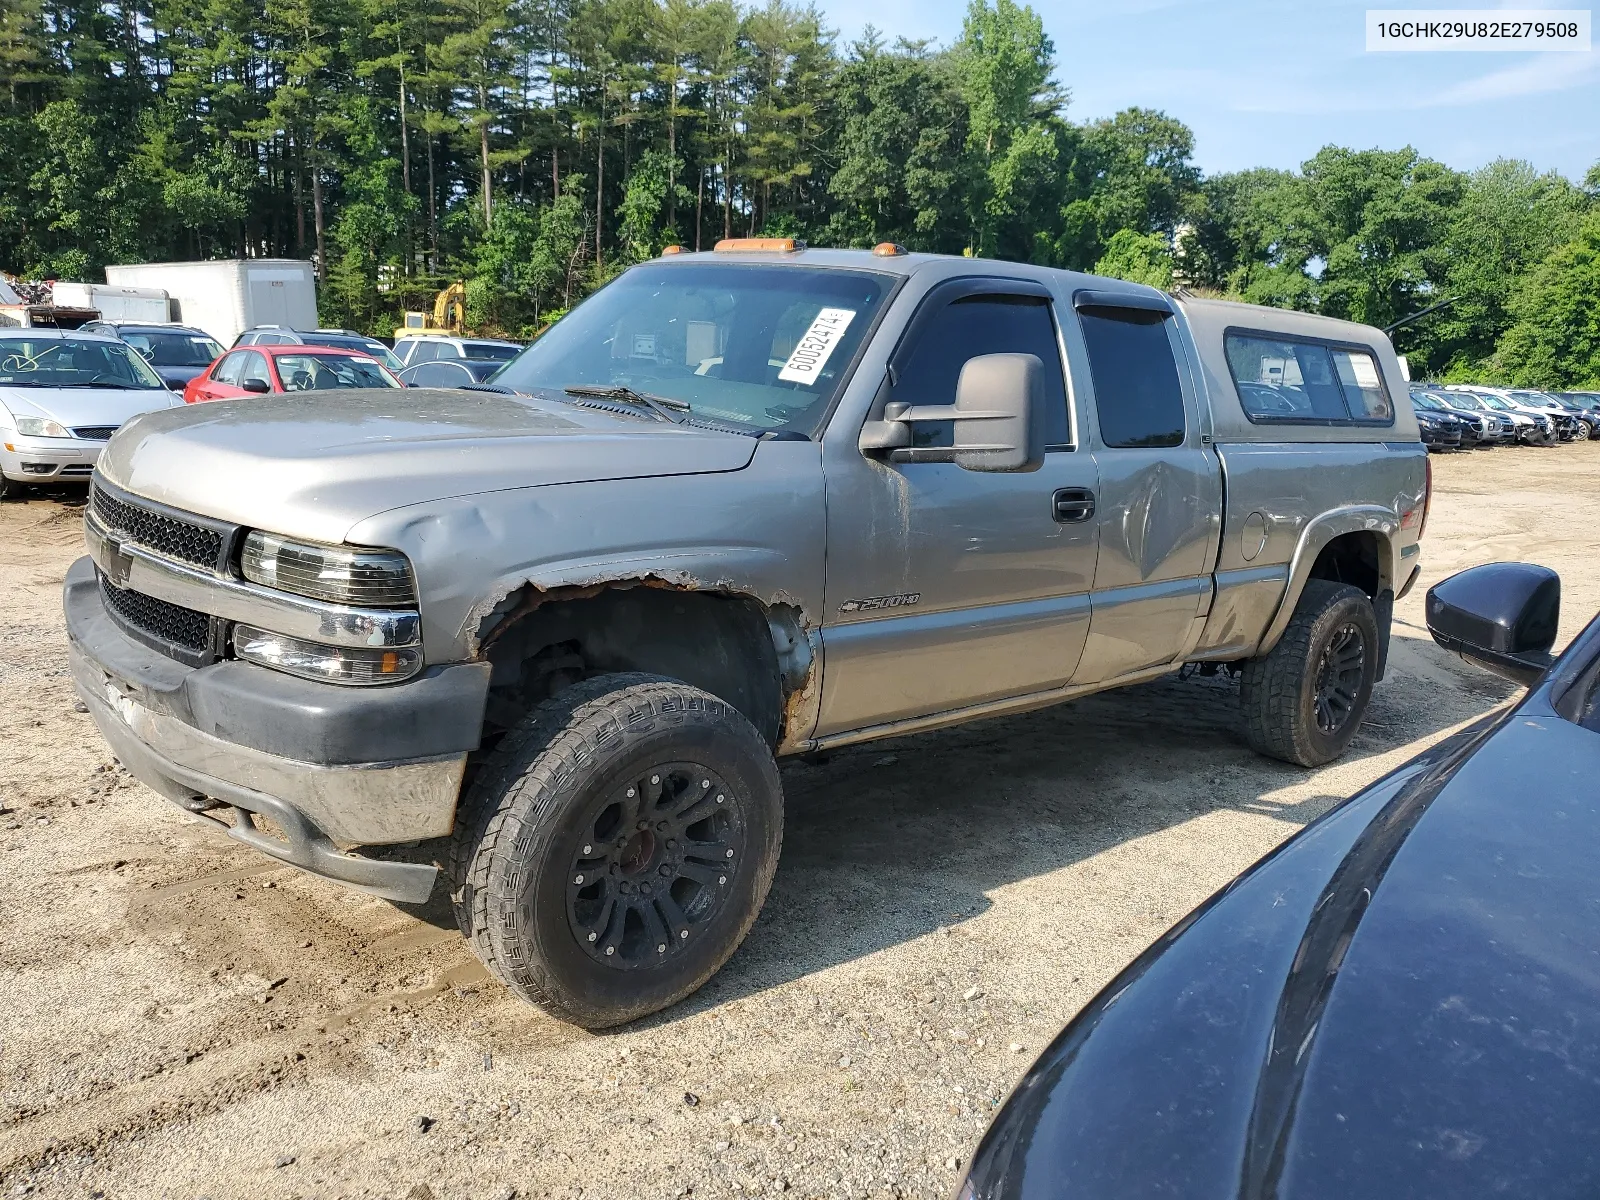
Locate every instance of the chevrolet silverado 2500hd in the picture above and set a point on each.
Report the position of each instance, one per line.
(748, 503)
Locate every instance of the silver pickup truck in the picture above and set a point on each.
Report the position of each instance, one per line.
(755, 502)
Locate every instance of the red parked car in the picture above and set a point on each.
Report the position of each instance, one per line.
(257, 370)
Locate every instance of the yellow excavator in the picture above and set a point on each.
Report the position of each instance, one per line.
(449, 316)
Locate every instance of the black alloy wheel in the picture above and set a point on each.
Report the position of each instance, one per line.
(656, 866)
(616, 846)
(1339, 675)
(1304, 699)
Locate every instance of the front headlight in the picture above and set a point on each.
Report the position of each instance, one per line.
(331, 664)
(341, 574)
(41, 427)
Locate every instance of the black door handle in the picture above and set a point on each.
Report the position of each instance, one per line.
(1072, 505)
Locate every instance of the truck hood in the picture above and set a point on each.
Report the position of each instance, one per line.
(84, 406)
(313, 465)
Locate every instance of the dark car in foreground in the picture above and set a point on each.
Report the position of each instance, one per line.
(1402, 1000)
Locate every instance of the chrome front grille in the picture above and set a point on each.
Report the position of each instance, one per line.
(187, 541)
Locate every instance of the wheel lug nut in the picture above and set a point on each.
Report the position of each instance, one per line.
(671, 844)
(661, 826)
(578, 879)
(730, 854)
(593, 936)
(611, 950)
(662, 948)
(721, 879)
(705, 783)
(630, 791)
(666, 870)
(588, 849)
(683, 933)
(655, 779)
(719, 797)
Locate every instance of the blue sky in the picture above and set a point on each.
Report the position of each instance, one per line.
(1265, 84)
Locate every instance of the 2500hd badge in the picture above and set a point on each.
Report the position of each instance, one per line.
(875, 603)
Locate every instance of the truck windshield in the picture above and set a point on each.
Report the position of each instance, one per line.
(174, 349)
(71, 362)
(760, 345)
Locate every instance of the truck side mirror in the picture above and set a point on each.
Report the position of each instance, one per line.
(1501, 616)
(998, 417)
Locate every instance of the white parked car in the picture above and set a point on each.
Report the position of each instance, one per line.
(431, 347)
(62, 395)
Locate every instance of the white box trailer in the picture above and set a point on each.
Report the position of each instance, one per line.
(228, 296)
(115, 302)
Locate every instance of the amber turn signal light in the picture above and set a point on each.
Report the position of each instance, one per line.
(777, 245)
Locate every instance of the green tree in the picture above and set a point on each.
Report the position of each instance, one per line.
(900, 151)
(643, 201)
(1378, 220)
(1508, 219)
(1138, 258)
(1005, 64)
(1555, 340)
(1131, 171)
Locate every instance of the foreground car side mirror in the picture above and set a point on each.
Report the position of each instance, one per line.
(1501, 616)
(259, 386)
(998, 417)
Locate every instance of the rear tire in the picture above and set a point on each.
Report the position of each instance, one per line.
(1304, 700)
(616, 847)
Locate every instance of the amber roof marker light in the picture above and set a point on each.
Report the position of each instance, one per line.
(666, 250)
(770, 245)
(889, 250)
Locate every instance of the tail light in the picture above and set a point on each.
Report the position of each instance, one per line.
(1427, 495)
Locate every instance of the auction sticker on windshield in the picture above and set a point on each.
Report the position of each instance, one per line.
(815, 347)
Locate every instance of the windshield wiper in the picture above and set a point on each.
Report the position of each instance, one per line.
(664, 407)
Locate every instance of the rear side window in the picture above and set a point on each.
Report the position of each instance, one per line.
(1287, 380)
(1136, 387)
(228, 369)
(971, 326)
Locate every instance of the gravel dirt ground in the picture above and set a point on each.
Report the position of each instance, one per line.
(180, 1017)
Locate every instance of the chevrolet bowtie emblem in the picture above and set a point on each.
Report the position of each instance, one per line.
(118, 563)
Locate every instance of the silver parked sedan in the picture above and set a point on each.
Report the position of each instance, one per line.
(62, 395)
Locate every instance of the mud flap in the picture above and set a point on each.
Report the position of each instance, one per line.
(1383, 610)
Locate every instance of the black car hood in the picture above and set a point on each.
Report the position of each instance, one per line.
(1402, 1001)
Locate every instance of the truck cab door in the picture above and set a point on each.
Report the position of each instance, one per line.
(1160, 501)
(949, 588)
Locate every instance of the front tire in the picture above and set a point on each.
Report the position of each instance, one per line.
(617, 846)
(1304, 700)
